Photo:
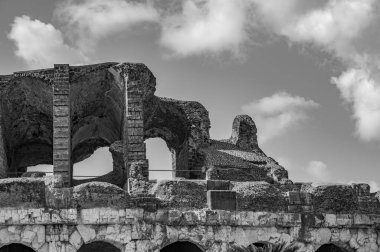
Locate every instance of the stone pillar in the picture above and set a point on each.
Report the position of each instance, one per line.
(62, 126)
(134, 146)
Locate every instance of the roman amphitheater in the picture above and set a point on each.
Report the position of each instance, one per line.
(225, 195)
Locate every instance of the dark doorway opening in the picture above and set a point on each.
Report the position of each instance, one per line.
(16, 247)
(98, 246)
(181, 246)
(331, 248)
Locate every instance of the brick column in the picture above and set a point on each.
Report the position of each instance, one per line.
(134, 146)
(61, 126)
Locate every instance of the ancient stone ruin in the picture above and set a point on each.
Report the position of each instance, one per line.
(225, 195)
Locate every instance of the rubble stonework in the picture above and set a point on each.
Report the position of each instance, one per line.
(224, 196)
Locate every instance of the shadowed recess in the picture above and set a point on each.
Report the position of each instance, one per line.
(28, 122)
(15, 247)
(98, 246)
(183, 246)
(96, 113)
(332, 248)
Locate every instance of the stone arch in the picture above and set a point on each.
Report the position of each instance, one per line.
(159, 157)
(96, 112)
(173, 145)
(97, 121)
(184, 125)
(334, 247)
(16, 247)
(99, 246)
(261, 244)
(27, 120)
(183, 246)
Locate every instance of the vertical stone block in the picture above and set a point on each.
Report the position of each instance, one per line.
(133, 135)
(223, 200)
(61, 126)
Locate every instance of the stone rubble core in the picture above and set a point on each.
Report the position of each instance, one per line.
(225, 194)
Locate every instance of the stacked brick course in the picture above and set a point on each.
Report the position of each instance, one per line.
(61, 125)
(134, 134)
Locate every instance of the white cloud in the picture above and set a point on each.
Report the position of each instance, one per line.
(276, 114)
(209, 26)
(318, 171)
(326, 26)
(374, 186)
(40, 44)
(87, 21)
(360, 89)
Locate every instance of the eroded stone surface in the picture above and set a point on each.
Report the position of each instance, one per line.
(129, 228)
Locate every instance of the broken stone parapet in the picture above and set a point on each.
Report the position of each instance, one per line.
(187, 194)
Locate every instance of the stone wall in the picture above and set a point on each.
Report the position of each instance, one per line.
(139, 230)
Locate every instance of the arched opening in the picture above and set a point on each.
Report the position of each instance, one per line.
(332, 248)
(96, 128)
(98, 246)
(98, 164)
(27, 120)
(261, 244)
(16, 247)
(160, 159)
(183, 246)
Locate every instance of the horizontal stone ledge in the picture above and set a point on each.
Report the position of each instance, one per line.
(96, 216)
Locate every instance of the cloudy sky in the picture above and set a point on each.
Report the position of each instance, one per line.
(306, 71)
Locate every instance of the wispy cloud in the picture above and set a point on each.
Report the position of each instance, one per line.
(202, 27)
(85, 22)
(40, 44)
(276, 114)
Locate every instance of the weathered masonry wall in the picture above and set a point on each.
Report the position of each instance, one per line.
(139, 230)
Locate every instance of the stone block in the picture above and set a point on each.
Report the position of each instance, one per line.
(175, 217)
(61, 121)
(61, 110)
(61, 143)
(223, 200)
(344, 219)
(212, 218)
(61, 132)
(218, 185)
(306, 198)
(87, 232)
(133, 215)
(294, 198)
(162, 215)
